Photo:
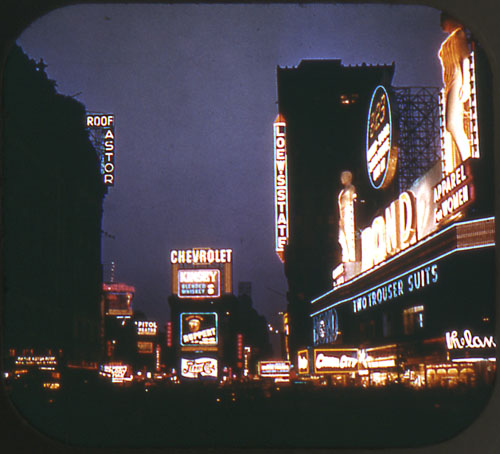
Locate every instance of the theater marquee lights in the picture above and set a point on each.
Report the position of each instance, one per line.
(281, 186)
(381, 150)
(146, 328)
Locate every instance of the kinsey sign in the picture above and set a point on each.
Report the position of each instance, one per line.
(198, 283)
(381, 153)
(281, 186)
(467, 341)
(335, 360)
(199, 367)
(200, 256)
(198, 328)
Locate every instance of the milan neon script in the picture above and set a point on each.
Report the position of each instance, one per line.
(468, 341)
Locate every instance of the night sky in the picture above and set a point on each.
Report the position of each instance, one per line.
(193, 90)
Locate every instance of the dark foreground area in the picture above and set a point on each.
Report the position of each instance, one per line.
(106, 415)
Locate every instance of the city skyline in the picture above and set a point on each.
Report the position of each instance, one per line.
(194, 113)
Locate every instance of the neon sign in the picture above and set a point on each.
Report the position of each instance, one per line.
(453, 193)
(274, 368)
(199, 367)
(335, 360)
(117, 372)
(201, 256)
(105, 123)
(468, 341)
(145, 328)
(280, 186)
(199, 283)
(381, 154)
(198, 328)
(303, 362)
(390, 234)
(393, 289)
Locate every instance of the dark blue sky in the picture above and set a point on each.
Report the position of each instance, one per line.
(193, 89)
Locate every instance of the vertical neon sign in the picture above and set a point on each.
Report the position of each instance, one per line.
(281, 186)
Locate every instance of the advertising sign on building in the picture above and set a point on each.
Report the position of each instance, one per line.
(303, 361)
(201, 273)
(381, 149)
(146, 328)
(274, 369)
(281, 186)
(198, 328)
(198, 283)
(333, 360)
(199, 367)
(102, 134)
(325, 327)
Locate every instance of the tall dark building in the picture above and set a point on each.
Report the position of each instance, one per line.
(52, 204)
(325, 106)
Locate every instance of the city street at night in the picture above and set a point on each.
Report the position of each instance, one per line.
(250, 415)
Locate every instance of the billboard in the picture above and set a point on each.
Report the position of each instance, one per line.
(200, 283)
(198, 329)
(381, 149)
(146, 328)
(118, 298)
(145, 347)
(325, 327)
(102, 133)
(203, 367)
(335, 360)
(274, 369)
(118, 372)
(201, 273)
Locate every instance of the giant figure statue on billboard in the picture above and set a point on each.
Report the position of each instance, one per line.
(347, 196)
(454, 56)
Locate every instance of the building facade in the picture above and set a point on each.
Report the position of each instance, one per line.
(322, 107)
(419, 307)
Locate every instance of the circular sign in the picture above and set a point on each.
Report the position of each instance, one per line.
(381, 155)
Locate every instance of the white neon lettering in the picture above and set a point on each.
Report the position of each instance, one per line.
(468, 341)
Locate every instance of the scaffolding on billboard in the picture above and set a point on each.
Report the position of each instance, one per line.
(419, 139)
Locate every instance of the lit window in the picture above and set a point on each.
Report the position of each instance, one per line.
(413, 319)
(347, 99)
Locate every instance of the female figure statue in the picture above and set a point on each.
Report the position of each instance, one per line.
(454, 56)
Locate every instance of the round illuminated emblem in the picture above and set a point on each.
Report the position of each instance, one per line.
(381, 155)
